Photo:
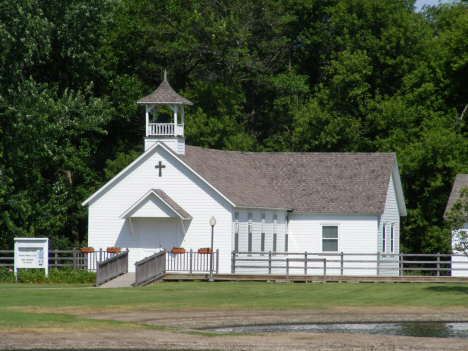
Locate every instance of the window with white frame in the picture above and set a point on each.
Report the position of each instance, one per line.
(384, 236)
(392, 230)
(330, 238)
(236, 232)
(286, 235)
(262, 242)
(250, 233)
(275, 228)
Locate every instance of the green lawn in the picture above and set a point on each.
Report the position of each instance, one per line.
(45, 305)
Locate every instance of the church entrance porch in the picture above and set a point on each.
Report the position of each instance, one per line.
(156, 234)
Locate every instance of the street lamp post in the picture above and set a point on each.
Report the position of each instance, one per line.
(212, 223)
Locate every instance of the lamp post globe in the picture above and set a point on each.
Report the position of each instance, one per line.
(212, 223)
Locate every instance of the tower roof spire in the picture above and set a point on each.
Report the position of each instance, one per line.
(164, 94)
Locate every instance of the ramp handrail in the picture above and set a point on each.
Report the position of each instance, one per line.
(111, 268)
(150, 268)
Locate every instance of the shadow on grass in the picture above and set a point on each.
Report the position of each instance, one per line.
(445, 289)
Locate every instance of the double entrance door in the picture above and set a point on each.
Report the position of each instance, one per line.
(157, 234)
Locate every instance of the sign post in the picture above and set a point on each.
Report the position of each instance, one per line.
(32, 253)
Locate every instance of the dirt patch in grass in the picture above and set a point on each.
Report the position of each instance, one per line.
(183, 330)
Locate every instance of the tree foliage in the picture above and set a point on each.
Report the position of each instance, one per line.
(266, 75)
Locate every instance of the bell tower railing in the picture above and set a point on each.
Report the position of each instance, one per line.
(165, 129)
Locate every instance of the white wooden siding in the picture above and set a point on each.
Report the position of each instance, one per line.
(389, 217)
(257, 232)
(257, 229)
(192, 194)
(356, 234)
(460, 263)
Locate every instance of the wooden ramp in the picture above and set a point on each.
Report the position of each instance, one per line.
(314, 279)
(124, 281)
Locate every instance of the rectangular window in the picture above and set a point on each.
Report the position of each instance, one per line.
(236, 232)
(286, 243)
(383, 237)
(275, 227)
(236, 223)
(250, 233)
(391, 238)
(262, 242)
(330, 238)
(275, 224)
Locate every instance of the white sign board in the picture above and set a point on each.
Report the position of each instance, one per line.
(32, 253)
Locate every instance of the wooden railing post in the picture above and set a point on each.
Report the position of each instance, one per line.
(97, 274)
(342, 263)
(233, 262)
(305, 263)
(217, 261)
(74, 259)
(287, 270)
(378, 263)
(400, 264)
(438, 263)
(269, 262)
(191, 259)
(324, 271)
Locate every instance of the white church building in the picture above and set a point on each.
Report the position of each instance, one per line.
(263, 202)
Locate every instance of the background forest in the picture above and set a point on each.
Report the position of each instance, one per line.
(264, 75)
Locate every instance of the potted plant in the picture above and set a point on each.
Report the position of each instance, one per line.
(113, 249)
(178, 250)
(87, 249)
(204, 250)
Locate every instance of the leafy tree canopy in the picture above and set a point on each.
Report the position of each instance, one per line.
(267, 75)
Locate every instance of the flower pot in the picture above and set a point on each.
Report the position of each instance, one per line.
(204, 251)
(178, 251)
(87, 250)
(113, 250)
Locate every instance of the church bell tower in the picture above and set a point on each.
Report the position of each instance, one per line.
(168, 131)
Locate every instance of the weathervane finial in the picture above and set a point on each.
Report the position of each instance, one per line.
(165, 75)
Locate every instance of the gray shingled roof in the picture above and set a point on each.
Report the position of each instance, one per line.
(461, 180)
(164, 94)
(304, 182)
(173, 204)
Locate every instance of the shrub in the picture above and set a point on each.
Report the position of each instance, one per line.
(64, 275)
(7, 275)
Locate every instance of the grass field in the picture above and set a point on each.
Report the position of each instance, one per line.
(51, 305)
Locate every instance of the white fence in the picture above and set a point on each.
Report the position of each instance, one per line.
(191, 261)
(349, 264)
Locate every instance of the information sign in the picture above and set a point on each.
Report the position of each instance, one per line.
(32, 253)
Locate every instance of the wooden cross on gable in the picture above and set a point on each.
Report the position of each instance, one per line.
(160, 166)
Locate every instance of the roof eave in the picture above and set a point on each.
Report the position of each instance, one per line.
(398, 189)
(265, 208)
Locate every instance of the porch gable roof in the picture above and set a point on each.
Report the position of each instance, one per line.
(164, 198)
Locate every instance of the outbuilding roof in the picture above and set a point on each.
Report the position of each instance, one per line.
(461, 180)
(303, 182)
(164, 94)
